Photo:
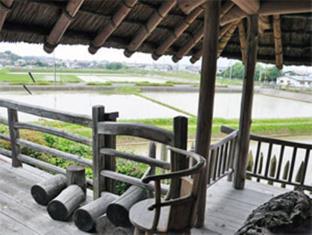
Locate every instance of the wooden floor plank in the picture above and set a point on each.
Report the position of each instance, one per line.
(226, 209)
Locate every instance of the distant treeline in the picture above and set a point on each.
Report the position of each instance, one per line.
(236, 71)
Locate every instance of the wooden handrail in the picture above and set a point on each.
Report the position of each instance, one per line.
(136, 158)
(195, 169)
(54, 131)
(137, 130)
(274, 166)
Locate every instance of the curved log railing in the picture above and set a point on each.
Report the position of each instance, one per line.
(221, 158)
(14, 138)
(278, 161)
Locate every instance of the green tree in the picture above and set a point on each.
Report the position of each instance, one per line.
(114, 66)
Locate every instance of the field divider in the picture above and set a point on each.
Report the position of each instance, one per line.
(165, 105)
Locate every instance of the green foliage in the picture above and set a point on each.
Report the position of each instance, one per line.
(128, 168)
(115, 66)
(236, 71)
(271, 74)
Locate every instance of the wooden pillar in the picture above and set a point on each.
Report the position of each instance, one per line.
(246, 104)
(206, 97)
(14, 135)
(101, 162)
(178, 162)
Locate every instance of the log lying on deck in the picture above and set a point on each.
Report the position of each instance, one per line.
(289, 213)
(46, 190)
(62, 207)
(85, 217)
(118, 211)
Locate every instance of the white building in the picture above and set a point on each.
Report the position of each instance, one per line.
(295, 81)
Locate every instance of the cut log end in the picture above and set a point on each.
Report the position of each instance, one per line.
(84, 221)
(46, 190)
(57, 211)
(118, 215)
(40, 195)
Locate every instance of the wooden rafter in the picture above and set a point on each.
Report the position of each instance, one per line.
(278, 41)
(187, 6)
(147, 29)
(5, 7)
(243, 41)
(222, 33)
(62, 25)
(177, 33)
(248, 6)
(226, 38)
(199, 35)
(189, 45)
(116, 20)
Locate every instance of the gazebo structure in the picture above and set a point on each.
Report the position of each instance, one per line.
(251, 30)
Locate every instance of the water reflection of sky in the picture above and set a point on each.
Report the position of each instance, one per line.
(227, 105)
(128, 106)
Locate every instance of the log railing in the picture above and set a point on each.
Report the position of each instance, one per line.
(15, 125)
(221, 158)
(278, 162)
(105, 154)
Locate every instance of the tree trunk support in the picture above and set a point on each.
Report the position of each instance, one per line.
(206, 97)
(246, 105)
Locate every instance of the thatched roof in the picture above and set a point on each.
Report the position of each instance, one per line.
(139, 28)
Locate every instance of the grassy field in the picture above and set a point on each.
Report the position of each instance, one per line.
(10, 76)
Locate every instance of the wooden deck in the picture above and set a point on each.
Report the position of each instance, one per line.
(19, 214)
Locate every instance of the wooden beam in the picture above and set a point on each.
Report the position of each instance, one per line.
(271, 7)
(177, 33)
(199, 35)
(5, 7)
(249, 6)
(246, 105)
(187, 6)
(222, 33)
(242, 40)
(109, 28)
(278, 41)
(206, 97)
(62, 25)
(147, 29)
(285, 7)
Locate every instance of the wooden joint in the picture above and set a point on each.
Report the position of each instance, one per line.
(68, 15)
(49, 48)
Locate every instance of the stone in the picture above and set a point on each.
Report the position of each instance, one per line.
(287, 213)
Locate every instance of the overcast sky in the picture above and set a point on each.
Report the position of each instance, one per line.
(81, 53)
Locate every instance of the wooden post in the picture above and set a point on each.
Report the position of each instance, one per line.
(14, 135)
(98, 143)
(206, 97)
(86, 217)
(46, 190)
(101, 162)
(76, 175)
(178, 162)
(62, 207)
(246, 104)
(118, 211)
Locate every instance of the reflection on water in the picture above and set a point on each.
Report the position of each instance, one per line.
(227, 105)
(128, 106)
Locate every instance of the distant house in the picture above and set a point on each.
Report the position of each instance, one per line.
(295, 80)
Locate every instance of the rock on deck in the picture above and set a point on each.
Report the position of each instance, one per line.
(227, 208)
